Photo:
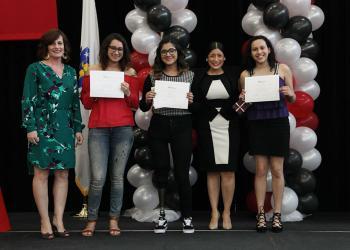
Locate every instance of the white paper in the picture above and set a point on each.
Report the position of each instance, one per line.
(171, 94)
(106, 84)
(262, 88)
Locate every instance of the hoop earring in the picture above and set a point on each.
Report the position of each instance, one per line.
(206, 59)
(64, 56)
(47, 56)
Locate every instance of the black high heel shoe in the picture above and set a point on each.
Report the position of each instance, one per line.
(277, 226)
(261, 222)
(47, 236)
(63, 234)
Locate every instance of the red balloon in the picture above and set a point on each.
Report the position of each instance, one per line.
(251, 202)
(141, 75)
(139, 61)
(244, 48)
(310, 121)
(303, 105)
(194, 139)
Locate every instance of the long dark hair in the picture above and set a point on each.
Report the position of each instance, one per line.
(159, 65)
(103, 55)
(249, 61)
(49, 38)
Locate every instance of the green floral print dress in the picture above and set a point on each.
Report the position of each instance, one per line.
(51, 106)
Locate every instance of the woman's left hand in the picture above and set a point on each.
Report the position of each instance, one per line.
(125, 88)
(79, 138)
(287, 91)
(190, 97)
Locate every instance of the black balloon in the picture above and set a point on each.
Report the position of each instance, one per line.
(308, 203)
(298, 28)
(261, 4)
(310, 49)
(140, 137)
(276, 15)
(190, 57)
(302, 182)
(180, 34)
(143, 157)
(145, 5)
(172, 200)
(292, 163)
(159, 18)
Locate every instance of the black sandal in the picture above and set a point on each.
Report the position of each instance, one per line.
(277, 226)
(261, 221)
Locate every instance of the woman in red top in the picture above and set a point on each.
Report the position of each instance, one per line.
(110, 132)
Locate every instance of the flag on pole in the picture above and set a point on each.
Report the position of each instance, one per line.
(89, 49)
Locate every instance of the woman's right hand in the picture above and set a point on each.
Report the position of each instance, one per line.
(242, 95)
(149, 96)
(33, 138)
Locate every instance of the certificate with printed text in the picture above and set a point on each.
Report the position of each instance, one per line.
(262, 88)
(171, 94)
(106, 84)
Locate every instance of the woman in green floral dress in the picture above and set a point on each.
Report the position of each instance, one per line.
(51, 116)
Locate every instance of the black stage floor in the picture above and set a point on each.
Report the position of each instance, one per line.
(319, 231)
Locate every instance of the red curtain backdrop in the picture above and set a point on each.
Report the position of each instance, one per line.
(26, 19)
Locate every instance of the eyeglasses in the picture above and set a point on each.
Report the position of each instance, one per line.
(115, 49)
(171, 51)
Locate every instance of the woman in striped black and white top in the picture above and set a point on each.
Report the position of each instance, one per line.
(170, 126)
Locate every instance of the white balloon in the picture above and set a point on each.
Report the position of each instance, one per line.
(138, 176)
(143, 119)
(287, 51)
(135, 19)
(303, 139)
(251, 7)
(311, 159)
(304, 70)
(184, 18)
(273, 35)
(251, 22)
(146, 197)
(193, 175)
(152, 55)
(297, 7)
(312, 88)
(144, 39)
(249, 162)
(289, 202)
(175, 5)
(269, 181)
(292, 122)
(316, 16)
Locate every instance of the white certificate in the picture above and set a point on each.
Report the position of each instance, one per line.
(262, 88)
(171, 94)
(106, 84)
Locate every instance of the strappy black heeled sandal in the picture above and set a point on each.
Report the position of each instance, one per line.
(277, 226)
(261, 221)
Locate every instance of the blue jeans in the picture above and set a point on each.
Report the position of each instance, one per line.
(108, 147)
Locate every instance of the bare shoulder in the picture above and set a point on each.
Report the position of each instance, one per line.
(94, 67)
(244, 74)
(284, 68)
(130, 71)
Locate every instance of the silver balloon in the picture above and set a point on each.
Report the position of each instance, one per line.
(311, 159)
(175, 5)
(135, 19)
(143, 119)
(138, 176)
(289, 202)
(251, 22)
(303, 139)
(287, 51)
(269, 181)
(316, 16)
(273, 35)
(304, 70)
(249, 162)
(184, 18)
(193, 175)
(312, 88)
(144, 39)
(297, 7)
(146, 197)
(251, 7)
(292, 122)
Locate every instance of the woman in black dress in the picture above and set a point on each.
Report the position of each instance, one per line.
(215, 91)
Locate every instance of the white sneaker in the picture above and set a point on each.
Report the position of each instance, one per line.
(161, 226)
(187, 226)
